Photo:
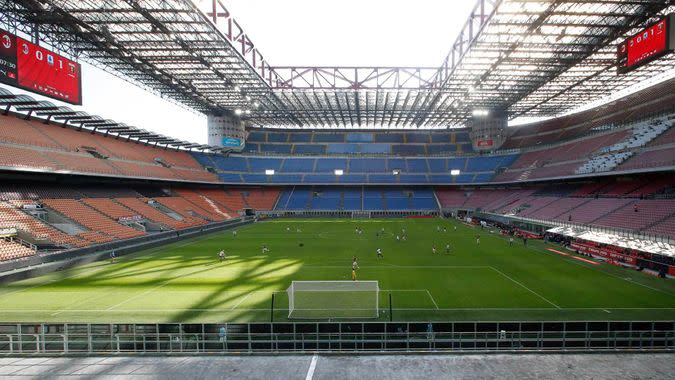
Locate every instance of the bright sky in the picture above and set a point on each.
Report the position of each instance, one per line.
(295, 32)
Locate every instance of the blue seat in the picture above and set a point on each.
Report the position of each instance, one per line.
(300, 137)
(283, 200)
(424, 203)
(367, 165)
(440, 179)
(256, 136)
(392, 137)
(342, 148)
(251, 148)
(286, 178)
(437, 165)
(325, 137)
(464, 178)
(353, 178)
(375, 148)
(276, 148)
(298, 165)
(482, 178)
(230, 164)
(323, 203)
(230, 177)
(352, 203)
(309, 149)
(319, 178)
(381, 178)
(328, 165)
(203, 159)
(417, 165)
(277, 137)
(440, 137)
(417, 137)
(436, 149)
(254, 178)
(413, 178)
(396, 163)
(373, 204)
(408, 150)
(259, 165)
(397, 203)
(359, 137)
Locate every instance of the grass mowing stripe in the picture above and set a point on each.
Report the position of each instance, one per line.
(525, 287)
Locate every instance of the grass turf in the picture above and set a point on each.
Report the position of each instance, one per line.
(185, 282)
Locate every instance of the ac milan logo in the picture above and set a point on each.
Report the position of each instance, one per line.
(6, 41)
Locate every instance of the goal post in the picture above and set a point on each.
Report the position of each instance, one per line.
(333, 299)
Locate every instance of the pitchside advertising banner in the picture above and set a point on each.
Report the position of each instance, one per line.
(34, 68)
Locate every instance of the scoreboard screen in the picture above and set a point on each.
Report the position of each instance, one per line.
(645, 46)
(34, 68)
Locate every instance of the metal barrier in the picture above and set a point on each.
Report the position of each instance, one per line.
(335, 337)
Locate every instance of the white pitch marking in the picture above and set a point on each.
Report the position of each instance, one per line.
(525, 287)
(432, 298)
(312, 367)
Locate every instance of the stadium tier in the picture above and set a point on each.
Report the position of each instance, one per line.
(44, 216)
(33, 145)
(356, 199)
(645, 206)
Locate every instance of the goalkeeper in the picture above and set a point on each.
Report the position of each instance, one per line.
(355, 266)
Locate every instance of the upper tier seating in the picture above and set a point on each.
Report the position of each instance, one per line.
(354, 143)
(34, 145)
(321, 170)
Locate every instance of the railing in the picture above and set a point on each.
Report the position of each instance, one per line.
(335, 337)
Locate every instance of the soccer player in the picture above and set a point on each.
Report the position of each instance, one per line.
(433, 249)
(445, 229)
(398, 238)
(265, 249)
(455, 228)
(355, 266)
(221, 255)
(379, 253)
(112, 257)
(510, 241)
(288, 229)
(234, 233)
(447, 249)
(478, 239)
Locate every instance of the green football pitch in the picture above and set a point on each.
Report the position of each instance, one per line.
(185, 281)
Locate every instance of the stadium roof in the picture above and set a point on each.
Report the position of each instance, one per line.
(80, 120)
(526, 57)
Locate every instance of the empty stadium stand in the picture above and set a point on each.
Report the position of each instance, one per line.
(356, 199)
(46, 216)
(645, 205)
(36, 146)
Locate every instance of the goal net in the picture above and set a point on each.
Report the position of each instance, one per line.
(333, 299)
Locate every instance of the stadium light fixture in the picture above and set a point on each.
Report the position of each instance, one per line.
(480, 112)
(238, 111)
(454, 172)
(339, 172)
(396, 172)
(269, 171)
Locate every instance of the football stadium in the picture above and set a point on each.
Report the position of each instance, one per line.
(517, 196)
